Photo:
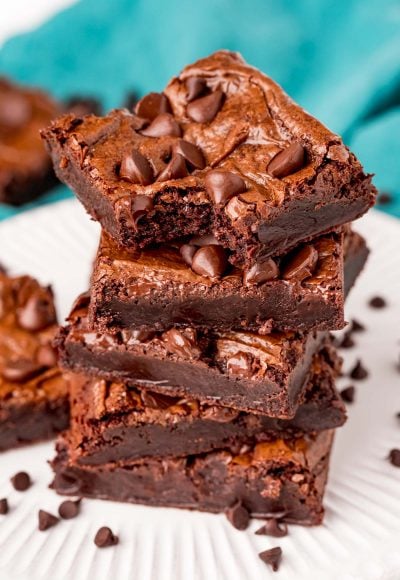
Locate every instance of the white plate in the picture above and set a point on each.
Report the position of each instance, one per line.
(360, 537)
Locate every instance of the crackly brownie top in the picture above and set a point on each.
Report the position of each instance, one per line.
(28, 362)
(23, 113)
(221, 132)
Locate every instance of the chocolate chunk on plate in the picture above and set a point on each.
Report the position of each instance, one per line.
(272, 557)
(21, 481)
(105, 538)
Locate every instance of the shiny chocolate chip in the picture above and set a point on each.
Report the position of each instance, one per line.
(210, 261)
(15, 110)
(38, 312)
(136, 169)
(222, 185)
(140, 205)
(261, 272)
(206, 240)
(240, 364)
(46, 520)
(176, 169)
(20, 370)
(301, 265)
(187, 252)
(163, 125)
(180, 343)
(287, 161)
(105, 538)
(238, 516)
(204, 109)
(46, 356)
(195, 87)
(220, 414)
(193, 155)
(152, 105)
(157, 400)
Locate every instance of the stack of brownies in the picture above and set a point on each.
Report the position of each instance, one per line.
(201, 369)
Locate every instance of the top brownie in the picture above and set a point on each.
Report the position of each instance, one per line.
(222, 151)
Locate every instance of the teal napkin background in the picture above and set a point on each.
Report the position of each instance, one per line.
(339, 58)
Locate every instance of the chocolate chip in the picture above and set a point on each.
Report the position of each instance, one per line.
(152, 105)
(384, 198)
(136, 169)
(140, 334)
(222, 185)
(261, 272)
(356, 326)
(176, 169)
(20, 370)
(163, 125)
(187, 252)
(206, 240)
(195, 86)
(46, 520)
(46, 356)
(140, 205)
(157, 400)
(180, 343)
(66, 484)
(272, 557)
(348, 394)
(220, 414)
(238, 516)
(347, 341)
(274, 528)
(38, 312)
(131, 100)
(287, 161)
(69, 509)
(301, 265)
(394, 457)
(21, 481)
(3, 506)
(204, 109)
(15, 110)
(359, 372)
(240, 364)
(377, 302)
(104, 538)
(81, 106)
(210, 261)
(193, 155)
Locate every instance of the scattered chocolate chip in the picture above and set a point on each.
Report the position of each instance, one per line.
(240, 364)
(222, 185)
(69, 509)
(210, 261)
(20, 371)
(15, 110)
(46, 356)
(3, 506)
(152, 105)
(139, 334)
(131, 100)
(66, 484)
(163, 125)
(220, 414)
(347, 341)
(193, 155)
(104, 538)
(394, 457)
(384, 198)
(356, 326)
(261, 272)
(206, 240)
(136, 169)
(359, 372)
(182, 344)
(287, 161)
(187, 252)
(301, 265)
(195, 87)
(273, 527)
(157, 400)
(238, 516)
(21, 481)
(38, 312)
(348, 394)
(377, 302)
(272, 557)
(204, 109)
(141, 204)
(81, 106)
(46, 520)
(176, 169)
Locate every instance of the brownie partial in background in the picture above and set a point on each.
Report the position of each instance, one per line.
(33, 394)
(281, 476)
(223, 151)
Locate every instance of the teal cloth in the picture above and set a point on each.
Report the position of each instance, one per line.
(339, 58)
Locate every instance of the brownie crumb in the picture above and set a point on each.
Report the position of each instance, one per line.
(274, 528)
(3, 506)
(377, 302)
(238, 516)
(104, 538)
(69, 509)
(46, 520)
(348, 394)
(394, 457)
(272, 557)
(356, 326)
(21, 481)
(359, 372)
(347, 341)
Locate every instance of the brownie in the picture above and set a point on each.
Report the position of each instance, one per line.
(223, 151)
(112, 422)
(157, 289)
(33, 394)
(281, 476)
(25, 167)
